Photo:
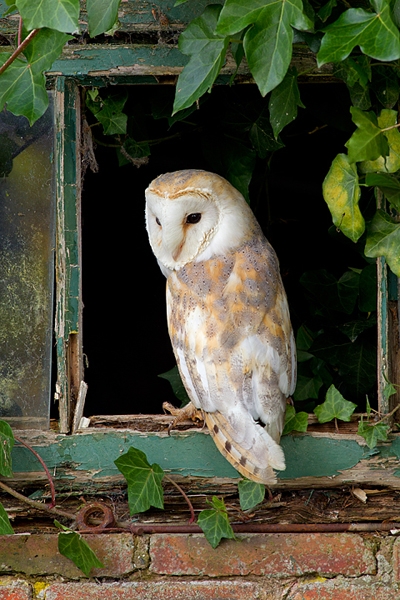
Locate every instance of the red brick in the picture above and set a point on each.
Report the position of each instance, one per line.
(38, 554)
(340, 590)
(14, 589)
(262, 554)
(162, 590)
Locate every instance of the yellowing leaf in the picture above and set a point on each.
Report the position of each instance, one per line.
(390, 163)
(341, 192)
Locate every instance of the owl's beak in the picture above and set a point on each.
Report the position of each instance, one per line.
(178, 251)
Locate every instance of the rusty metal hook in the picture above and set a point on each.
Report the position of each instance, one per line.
(107, 516)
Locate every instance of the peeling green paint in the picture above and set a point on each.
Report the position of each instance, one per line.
(192, 453)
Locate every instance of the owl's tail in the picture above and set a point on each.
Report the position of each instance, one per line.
(254, 455)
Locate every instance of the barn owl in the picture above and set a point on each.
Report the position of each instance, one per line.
(227, 313)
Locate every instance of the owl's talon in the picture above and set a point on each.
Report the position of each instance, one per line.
(188, 412)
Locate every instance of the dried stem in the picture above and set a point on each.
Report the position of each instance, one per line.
(46, 470)
(36, 505)
(190, 505)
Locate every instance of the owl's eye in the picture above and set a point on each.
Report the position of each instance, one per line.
(158, 221)
(193, 218)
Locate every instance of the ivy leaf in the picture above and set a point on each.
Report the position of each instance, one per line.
(389, 390)
(272, 36)
(375, 33)
(215, 522)
(262, 137)
(250, 493)
(372, 434)
(178, 388)
(295, 421)
(61, 15)
(283, 103)
(368, 141)
(102, 15)
(342, 193)
(108, 111)
(239, 14)
(23, 84)
(6, 445)
(334, 407)
(385, 85)
(353, 329)
(207, 51)
(74, 547)
(390, 163)
(389, 186)
(5, 525)
(383, 239)
(144, 481)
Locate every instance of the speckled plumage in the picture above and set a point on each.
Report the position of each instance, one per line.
(227, 313)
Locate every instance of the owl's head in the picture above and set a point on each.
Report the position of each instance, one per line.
(193, 215)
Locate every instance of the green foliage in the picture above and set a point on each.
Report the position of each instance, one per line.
(342, 194)
(334, 407)
(215, 522)
(23, 83)
(269, 34)
(61, 16)
(102, 15)
(144, 481)
(384, 240)
(373, 432)
(6, 444)
(74, 547)
(108, 110)
(374, 32)
(5, 525)
(295, 421)
(177, 386)
(206, 50)
(284, 101)
(250, 493)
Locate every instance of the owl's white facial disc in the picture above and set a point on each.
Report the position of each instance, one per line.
(180, 228)
(194, 215)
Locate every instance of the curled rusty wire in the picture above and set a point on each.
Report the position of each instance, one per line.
(102, 512)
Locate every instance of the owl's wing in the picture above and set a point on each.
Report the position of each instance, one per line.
(230, 329)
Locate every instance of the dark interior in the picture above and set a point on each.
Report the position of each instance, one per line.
(125, 332)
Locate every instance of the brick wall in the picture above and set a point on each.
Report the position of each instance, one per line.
(184, 567)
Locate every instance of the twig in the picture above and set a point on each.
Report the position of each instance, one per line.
(18, 50)
(46, 470)
(178, 487)
(34, 504)
(388, 415)
(19, 31)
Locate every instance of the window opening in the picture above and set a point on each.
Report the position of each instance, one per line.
(125, 333)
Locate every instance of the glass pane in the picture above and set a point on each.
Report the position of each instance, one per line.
(27, 229)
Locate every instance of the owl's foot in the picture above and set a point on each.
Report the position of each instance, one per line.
(188, 412)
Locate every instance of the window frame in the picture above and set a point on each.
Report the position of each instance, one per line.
(316, 458)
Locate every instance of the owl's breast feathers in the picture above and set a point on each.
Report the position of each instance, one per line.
(230, 329)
